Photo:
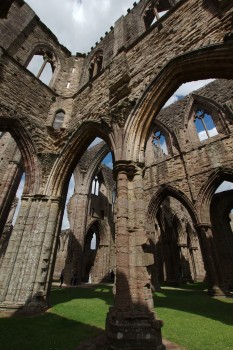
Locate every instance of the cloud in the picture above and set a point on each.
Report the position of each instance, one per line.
(78, 25)
(186, 89)
(225, 186)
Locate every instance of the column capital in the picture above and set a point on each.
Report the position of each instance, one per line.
(127, 167)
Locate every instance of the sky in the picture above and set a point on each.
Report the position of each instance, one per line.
(78, 24)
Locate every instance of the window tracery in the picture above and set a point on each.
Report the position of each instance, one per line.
(160, 143)
(204, 124)
(42, 65)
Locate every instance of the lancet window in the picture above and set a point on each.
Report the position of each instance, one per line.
(160, 143)
(59, 120)
(42, 65)
(95, 186)
(204, 124)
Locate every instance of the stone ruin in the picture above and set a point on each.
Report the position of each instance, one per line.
(157, 217)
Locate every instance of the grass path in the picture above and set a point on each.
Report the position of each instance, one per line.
(191, 319)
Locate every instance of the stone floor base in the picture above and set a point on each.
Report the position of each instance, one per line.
(99, 343)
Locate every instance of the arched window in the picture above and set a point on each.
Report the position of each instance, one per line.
(41, 65)
(204, 124)
(95, 186)
(93, 242)
(96, 64)
(59, 120)
(159, 141)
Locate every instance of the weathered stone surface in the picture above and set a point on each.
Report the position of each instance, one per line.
(165, 198)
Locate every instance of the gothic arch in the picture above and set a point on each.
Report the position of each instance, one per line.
(207, 191)
(170, 137)
(42, 49)
(93, 166)
(216, 110)
(71, 154)
(158, 198)
(99, 225)
(218, 63)
(10, 122)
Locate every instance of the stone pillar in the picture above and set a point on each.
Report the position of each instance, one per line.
(131, 323)
(209, 258)
(78, 204)
(25, 273)
(11, 171)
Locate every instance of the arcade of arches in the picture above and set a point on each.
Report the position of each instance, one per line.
(158, 216)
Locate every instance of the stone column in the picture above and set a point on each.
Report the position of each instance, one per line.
(25, 273)
(131, 323)
(11, 171)
(209, 258)
(77, 213)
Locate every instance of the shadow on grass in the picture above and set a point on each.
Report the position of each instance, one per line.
(193, 299)
(76, 314)
(44, 332)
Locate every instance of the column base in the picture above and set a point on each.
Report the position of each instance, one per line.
(33, 306)
(133, 331)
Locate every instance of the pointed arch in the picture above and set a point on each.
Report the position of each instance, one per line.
(50, 56)
(216, 113)
(99, 226)
(10, 122)
(218, 63)
(72, 152)
(159, 197)
(208, 189)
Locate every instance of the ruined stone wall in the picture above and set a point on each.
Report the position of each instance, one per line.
(190, 163)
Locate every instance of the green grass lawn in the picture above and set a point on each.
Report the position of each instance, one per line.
(191, 319)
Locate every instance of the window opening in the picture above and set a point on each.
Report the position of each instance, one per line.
(95, 186)
(96, 64)
(41, 66)
(153, 12)
(59, 119)
(204, 125)
(93, 242)
(159, 142)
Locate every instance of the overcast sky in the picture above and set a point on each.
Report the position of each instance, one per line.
(78, 24)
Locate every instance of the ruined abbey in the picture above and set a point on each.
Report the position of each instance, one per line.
(157, 216)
